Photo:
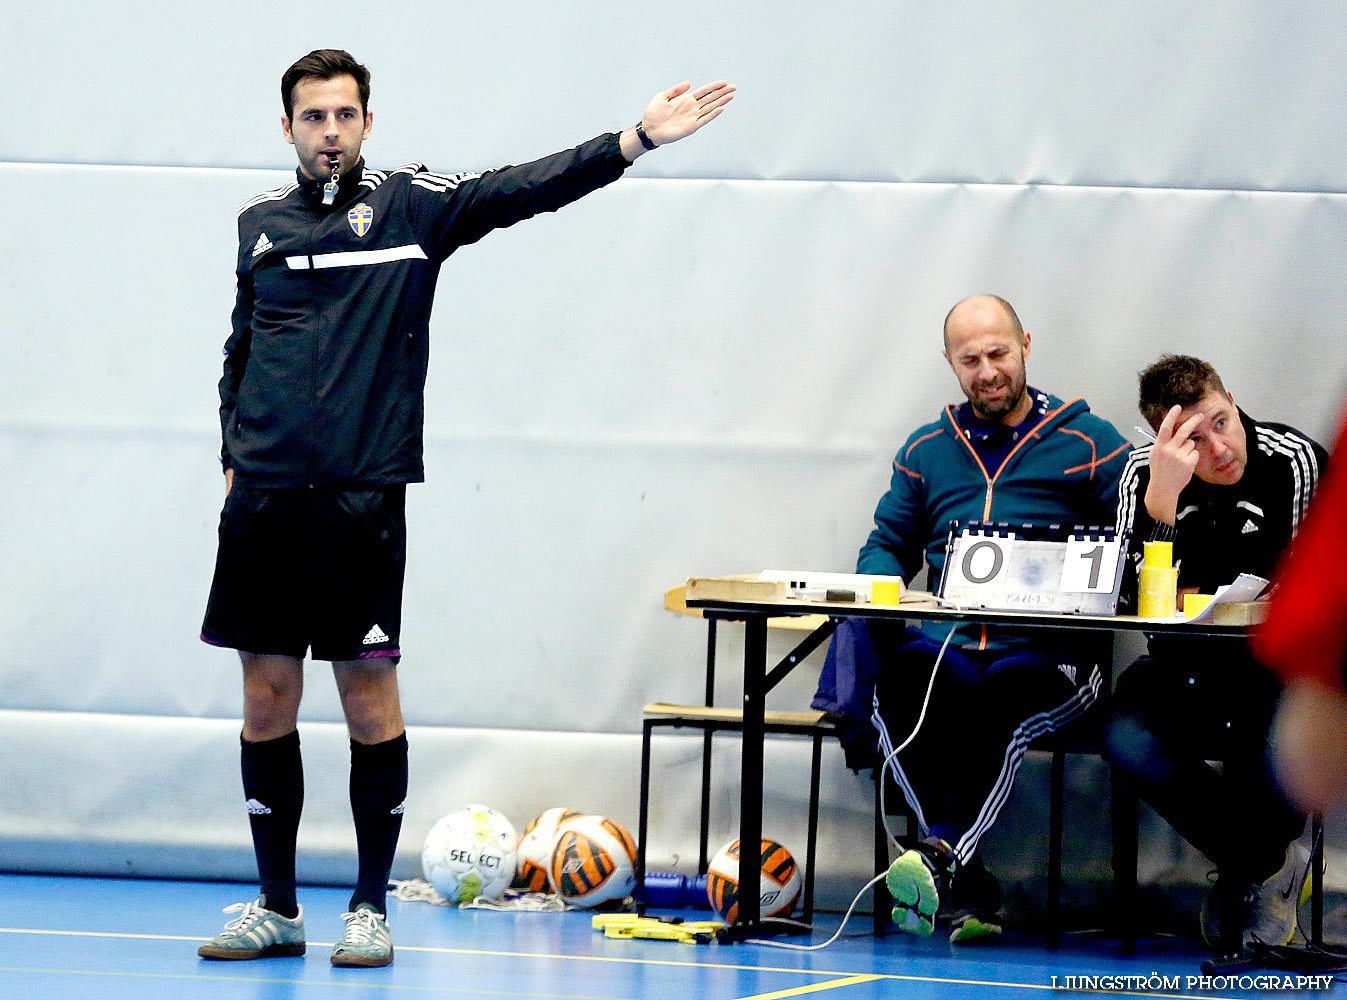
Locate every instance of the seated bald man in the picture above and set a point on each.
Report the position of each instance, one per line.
(1011, 453)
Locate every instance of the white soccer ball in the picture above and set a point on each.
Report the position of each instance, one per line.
(469, 853)
(535, 847)
(593, 861)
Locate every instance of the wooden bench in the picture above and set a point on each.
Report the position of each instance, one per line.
(711, 718)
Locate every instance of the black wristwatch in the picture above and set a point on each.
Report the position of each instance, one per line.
(646, 141)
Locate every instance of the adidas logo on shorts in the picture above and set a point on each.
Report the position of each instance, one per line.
(374, 635)
(256, 808)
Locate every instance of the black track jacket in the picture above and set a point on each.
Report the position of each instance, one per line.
(1223, 531)
(325, 370)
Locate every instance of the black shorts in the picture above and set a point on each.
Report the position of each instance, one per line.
(301, 569)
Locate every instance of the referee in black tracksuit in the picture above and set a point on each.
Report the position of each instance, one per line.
(1229, 492)
(321, 415)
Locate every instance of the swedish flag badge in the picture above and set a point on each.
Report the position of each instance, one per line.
(361, 218)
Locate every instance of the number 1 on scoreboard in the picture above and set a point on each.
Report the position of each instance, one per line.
(1090, 565)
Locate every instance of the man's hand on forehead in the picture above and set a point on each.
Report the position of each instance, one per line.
(1173, 460)
(1182, 432)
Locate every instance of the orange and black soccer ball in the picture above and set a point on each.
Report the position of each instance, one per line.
(534, 850)
(780, 880)
(593, 862)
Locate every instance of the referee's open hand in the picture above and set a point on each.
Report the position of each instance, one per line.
(676, 113)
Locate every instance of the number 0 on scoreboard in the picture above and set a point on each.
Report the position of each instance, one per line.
(995, 567)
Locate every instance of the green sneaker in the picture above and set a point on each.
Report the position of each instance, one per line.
(366, 942)
(973, 900)
(914, 882)
(968, 926)
(256, 933)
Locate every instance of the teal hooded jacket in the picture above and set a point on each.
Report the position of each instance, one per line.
(1064, 470)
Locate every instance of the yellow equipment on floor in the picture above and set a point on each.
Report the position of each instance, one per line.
(629, 925)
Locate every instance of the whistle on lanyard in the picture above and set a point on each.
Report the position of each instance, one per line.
(330, 188)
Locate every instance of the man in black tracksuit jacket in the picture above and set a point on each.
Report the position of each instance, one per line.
(1229, 493)
(321, 417)
(324, 371)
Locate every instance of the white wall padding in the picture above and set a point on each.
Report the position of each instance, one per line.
(1242, 94)
(705, 368)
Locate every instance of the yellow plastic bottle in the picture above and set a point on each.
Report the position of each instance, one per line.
(1158, 584)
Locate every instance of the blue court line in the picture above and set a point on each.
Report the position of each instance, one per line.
(360, 984)
(838, 978)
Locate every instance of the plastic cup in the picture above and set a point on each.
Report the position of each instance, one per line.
(888, 593)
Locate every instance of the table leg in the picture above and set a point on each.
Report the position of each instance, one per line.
(750, 922)
(643, 821)
(751, 781)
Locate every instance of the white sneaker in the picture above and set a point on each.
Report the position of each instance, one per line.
(1273, 905)
(366, 941)
(256, 933)
(1267, 911)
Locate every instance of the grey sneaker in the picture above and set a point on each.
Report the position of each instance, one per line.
(256, 933)
(366, 941)
(1269, 910)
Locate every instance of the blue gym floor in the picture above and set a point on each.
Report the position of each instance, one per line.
(68, 938)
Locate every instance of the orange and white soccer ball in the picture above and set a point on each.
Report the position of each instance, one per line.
(534, 850)
(593, 862)
(780, 880)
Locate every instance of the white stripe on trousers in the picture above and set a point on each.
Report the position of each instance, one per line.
(1025, 733)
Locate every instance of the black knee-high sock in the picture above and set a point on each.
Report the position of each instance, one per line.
(273, 783)
(378, 792)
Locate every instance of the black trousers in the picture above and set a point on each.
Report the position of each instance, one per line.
(1178, 710)
(986, 708)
